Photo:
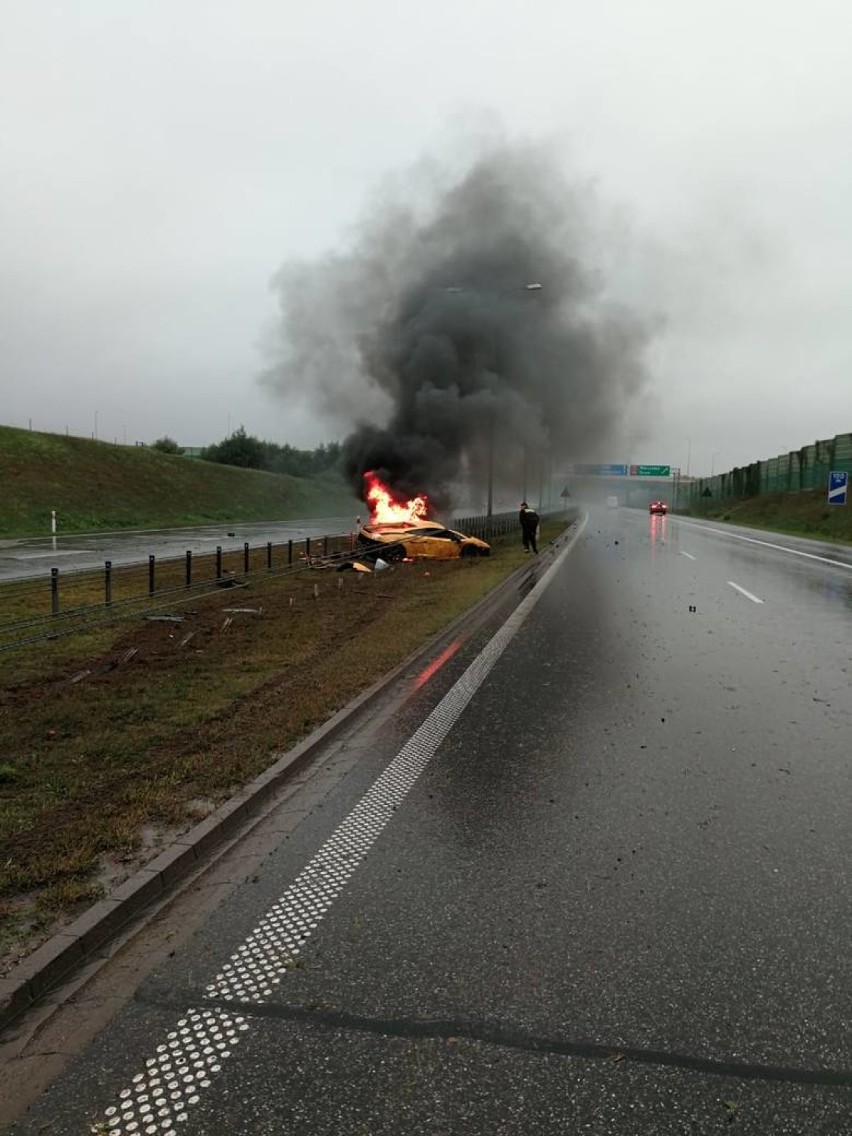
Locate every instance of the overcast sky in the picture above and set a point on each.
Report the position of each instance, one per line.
(160, 159)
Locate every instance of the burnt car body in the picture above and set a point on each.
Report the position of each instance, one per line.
(424, 539)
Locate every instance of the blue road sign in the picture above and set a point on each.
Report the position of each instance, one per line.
(837, 486)
(601, 470)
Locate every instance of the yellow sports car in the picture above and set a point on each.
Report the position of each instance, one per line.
(427, 539)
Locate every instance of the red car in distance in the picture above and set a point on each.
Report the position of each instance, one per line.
(658, 507)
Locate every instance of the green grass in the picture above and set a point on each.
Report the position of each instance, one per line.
(99, 487)
(806, 514)
(86, 766)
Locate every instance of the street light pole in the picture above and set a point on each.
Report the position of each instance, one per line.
(688, 454)
(529, 286)
(490, 505)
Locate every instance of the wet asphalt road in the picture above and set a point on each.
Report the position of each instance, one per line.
(616, 899)
(27, 557)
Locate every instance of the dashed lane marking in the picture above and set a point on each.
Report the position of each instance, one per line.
(688, 555)
(769, 544)
(160, 1095)
(747, 594)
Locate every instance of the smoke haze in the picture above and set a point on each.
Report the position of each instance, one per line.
(466, 325)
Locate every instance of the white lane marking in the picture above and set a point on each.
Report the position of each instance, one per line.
(749, 595)
(56, 552)
(687, 554)
(769, 544)
(158, 1098)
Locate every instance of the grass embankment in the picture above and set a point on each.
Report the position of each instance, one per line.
(805, 514)
(99, 487)
(104, 754)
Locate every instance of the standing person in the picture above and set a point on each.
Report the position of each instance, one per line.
(529, 527)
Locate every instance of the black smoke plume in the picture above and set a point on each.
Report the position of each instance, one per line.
(465, 336)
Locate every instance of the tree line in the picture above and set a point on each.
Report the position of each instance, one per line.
(247, 452)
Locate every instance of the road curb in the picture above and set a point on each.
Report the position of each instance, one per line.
(78, 943)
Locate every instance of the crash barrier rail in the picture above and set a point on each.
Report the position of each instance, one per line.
(796, 471)
(81, 599)
(485, 527)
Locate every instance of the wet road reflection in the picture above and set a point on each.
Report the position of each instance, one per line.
(632, 843)
(26, 558)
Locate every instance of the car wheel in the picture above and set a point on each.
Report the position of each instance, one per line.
(469, 551)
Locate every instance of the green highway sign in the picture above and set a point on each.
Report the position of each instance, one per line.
(650, 471)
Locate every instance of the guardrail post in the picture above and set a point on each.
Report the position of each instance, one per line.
(151, 562)
(218, 562)
(245, 557)
(269, 555)
(289, 552)
(54, 591)
(107, 582)
(189, 568)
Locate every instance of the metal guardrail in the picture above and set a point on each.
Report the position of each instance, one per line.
(83, 599)
(485, 527)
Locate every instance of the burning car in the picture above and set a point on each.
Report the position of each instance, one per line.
(400, 529)
(398, 540)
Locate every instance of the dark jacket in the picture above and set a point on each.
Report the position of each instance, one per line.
(529, 519)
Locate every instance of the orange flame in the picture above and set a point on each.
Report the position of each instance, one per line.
(386, 509)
